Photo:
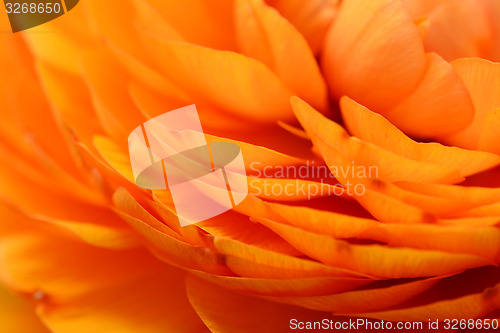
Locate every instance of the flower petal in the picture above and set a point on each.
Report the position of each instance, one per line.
(466, 307)
(251, 261)
(208, 75)
(373, 53)
(373, 128)
(482, 79)
(199, 22)
(110, 105)
(226, 311)
(366, 259)
(97, 288)
(458, 238)
(490, 135)
(164, 242)
(330, 138)
(17, 315)
(312, 18)
(266, 36)
(365, 300)
(439, 106)
(310, 286)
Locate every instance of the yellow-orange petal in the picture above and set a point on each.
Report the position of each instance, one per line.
(374, 128)
(311, 286)
(45, 45)
(17, 315)
(252, 261)
(239, 228)
(150, 21)
(67, 299)
(110, 104)
(115, 157)
(365, 300)
(116, 236)
(367, 259)
(200, 23)
(468, 196)
(466, 307)
(311, 18)
(439, 106)
(489, 139)
(331, 138)
(265, 35)
(21, 185)
(165, 243)
(454, 238)
(238, 85)
(227, 311)
(35, 131)
(482, 79)
(460, 29)
(373, 53)
(153, 104)
(69, 97)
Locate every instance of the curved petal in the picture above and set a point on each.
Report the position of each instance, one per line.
(251, 261)
(466, 307)
(199, 22)
(367, 259)
(312, 18)
(372, 127)
(309, 286)
(366, 300)
(482, 79)
(490, 135)
(455, 238)
(373, 53)
(439, 106)
(110, 104)
(266, 36)
(224, 311)
(208, 75)
(165, 243)
(17, 315)
(330, 138)
(97, 288)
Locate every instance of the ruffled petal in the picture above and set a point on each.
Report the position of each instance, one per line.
(367, 259)
(369, 126)
(331, 139)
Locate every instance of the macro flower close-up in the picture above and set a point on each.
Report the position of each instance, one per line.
(357, 143)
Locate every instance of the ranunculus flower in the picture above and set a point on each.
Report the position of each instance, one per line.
(408, 89)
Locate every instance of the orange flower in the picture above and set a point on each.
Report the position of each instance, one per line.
(413, 235)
